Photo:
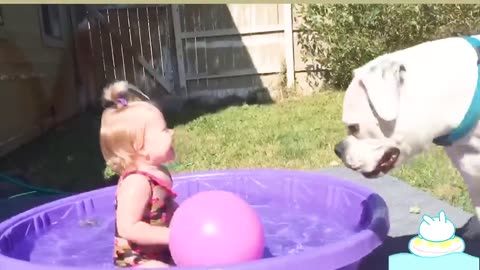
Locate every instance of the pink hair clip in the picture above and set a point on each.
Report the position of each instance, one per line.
(123, 101)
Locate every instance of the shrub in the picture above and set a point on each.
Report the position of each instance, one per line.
(338, 38)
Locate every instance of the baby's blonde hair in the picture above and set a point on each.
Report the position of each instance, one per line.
(122, 131)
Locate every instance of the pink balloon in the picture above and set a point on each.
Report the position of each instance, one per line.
(215, 228)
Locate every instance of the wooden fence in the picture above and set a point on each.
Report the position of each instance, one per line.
(194, 50)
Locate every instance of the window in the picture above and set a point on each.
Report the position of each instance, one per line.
(1, 16)
(51, 20)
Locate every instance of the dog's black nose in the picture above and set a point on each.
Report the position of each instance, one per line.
(339, 148)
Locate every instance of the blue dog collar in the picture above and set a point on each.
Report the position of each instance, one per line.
(473, 113)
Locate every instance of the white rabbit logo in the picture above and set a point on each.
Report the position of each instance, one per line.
(436, 229)
(436, 238)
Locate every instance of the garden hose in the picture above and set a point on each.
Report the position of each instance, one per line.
(36, 189)
(178, 165)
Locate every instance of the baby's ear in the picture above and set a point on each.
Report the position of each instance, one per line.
(139, 145)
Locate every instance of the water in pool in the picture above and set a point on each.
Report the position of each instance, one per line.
(89, 242)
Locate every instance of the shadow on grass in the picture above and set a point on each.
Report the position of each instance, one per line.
(68, 157)
(180, 112)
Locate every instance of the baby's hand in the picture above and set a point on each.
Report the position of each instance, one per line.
(436, 229)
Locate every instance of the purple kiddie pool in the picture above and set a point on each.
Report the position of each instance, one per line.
(311, 221)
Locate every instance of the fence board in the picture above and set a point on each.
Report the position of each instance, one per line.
(169, 49)
(136, 45)
(97, 52)
(227, 54)
(232, 85)
(197, 47)
(144, 35)
(156, 52)
(259, 29)
(289, 49)
(105, 39)
(177, 25)
(232, 41)
(119, 71)
(128, 58)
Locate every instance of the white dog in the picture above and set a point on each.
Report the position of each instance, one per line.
(400, 103)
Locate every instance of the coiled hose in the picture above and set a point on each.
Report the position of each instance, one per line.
(36, 189)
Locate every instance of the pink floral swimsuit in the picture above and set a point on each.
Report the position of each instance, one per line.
(158, 213)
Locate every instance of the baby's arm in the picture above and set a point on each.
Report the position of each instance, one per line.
(133, 195)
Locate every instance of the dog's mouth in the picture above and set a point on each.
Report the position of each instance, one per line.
(385, 164)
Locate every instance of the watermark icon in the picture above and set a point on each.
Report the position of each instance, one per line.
(435, 247)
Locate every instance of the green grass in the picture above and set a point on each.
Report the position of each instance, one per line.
(295, 134)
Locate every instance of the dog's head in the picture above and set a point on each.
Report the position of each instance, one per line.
(371, 112)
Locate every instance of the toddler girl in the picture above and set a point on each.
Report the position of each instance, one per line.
(135, 141)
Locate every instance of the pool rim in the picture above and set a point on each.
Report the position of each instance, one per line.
(364, 242)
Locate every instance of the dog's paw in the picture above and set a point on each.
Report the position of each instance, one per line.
(471, 229)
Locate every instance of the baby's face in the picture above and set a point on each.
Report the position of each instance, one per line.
(159, 140)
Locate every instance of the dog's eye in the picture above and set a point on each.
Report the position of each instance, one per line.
(353, 129)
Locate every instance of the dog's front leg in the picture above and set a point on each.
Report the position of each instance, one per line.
(471, 230)
(466, 158)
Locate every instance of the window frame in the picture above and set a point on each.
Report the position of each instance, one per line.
(49, 40)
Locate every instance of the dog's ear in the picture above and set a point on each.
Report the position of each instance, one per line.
(382, 83)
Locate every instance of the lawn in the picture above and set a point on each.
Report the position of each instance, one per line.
(295, 134)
